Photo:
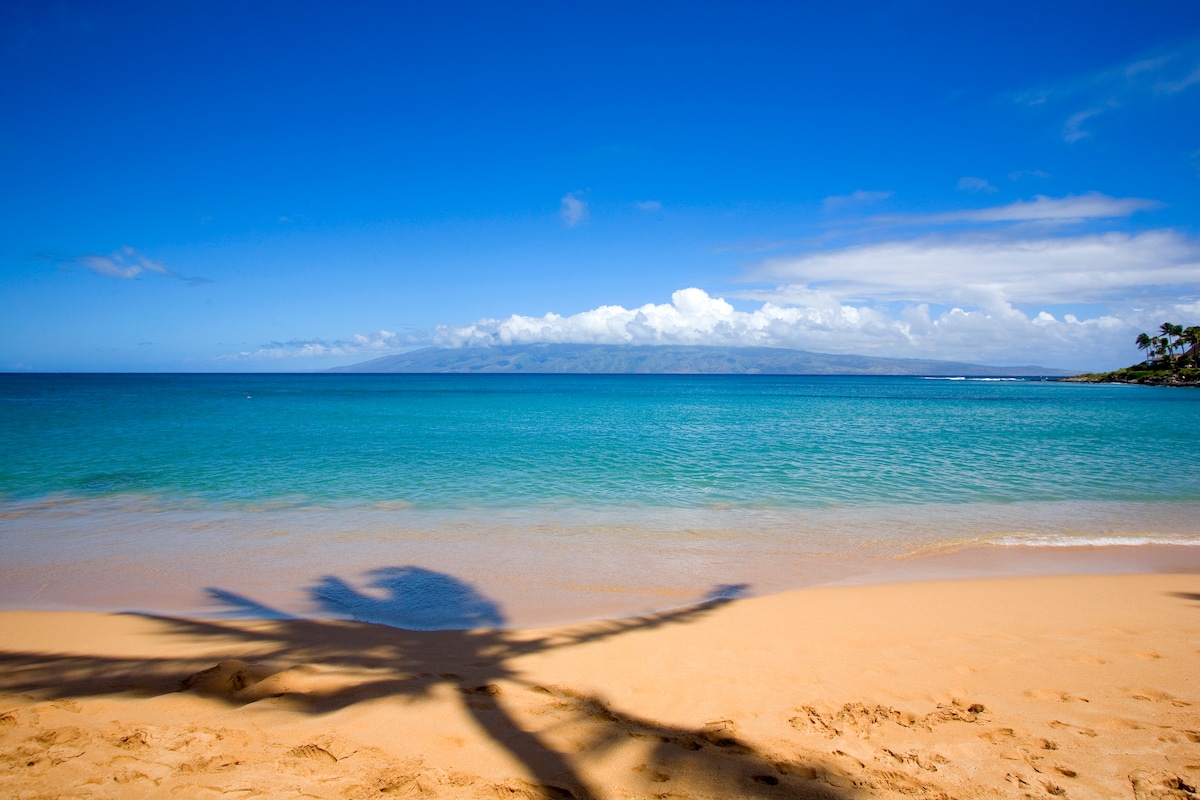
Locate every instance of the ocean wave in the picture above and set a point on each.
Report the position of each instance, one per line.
(980, 380)
(1094, 541)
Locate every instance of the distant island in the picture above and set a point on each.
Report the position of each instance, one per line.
(606, 359)
(1172, 359)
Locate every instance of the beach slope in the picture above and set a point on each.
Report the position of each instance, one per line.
(1083, 686)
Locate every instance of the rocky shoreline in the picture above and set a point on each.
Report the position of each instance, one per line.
(1140, 378)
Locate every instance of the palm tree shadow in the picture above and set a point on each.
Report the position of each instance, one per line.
(429, 629)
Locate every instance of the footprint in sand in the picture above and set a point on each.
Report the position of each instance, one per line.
(1149, 785)
(312, 752)
(1060, 725)
(224, 680)
(1051, 694)
(1157, 696)
(654, 776)
(481, 698)
(134, 740)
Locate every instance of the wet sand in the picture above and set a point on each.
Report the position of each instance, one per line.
(550, 569)
(1076, 686)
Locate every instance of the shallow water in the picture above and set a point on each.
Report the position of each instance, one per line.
(561, 497)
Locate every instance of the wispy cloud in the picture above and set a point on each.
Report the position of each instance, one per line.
(1072, 208)
(986, 270)
(127, 264)
(1127, 85)
(572, 209)
(856, 199)
(1172, 87)
(969, 183)
(649, 206)
(1073, 128)
(1030, 173)
(375, 343)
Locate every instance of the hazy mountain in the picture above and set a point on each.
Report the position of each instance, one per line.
(670, 359)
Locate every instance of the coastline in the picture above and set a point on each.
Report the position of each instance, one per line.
(542, 568)
(1047, 686)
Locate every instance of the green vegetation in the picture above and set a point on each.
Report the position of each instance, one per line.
(1172, 358)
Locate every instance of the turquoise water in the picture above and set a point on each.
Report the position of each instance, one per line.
(562, 497)
(511, 441)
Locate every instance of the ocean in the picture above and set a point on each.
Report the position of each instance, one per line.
(565, 497)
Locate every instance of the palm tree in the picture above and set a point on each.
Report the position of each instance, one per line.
(1161, 350)
(1144, 342)
(1170, 332)
(1191, 337)
(1166, 350)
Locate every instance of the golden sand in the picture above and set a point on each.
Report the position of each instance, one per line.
(1031, 687)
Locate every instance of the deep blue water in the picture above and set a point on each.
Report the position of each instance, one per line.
(519, 441)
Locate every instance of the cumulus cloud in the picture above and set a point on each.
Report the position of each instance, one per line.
(969, 183)
(1000, 292)
(572, 209)
(819, 321)
(982, 297)
(127, 264)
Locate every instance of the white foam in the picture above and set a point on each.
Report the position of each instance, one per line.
(964, 378)
(1094, 541)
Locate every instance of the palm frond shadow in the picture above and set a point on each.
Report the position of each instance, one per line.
(474, 659)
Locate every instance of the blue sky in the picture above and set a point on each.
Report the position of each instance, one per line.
(290, 186)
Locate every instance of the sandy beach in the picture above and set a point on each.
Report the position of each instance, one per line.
(1080, 686)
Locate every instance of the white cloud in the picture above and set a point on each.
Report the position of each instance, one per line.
(978, 269)
(969, 183)
(860, 197)
(1171, 87)
(819, 321)
(650, 206)
(1072, 208)
(1033, 173)
(1129, 85)
(999, 294)
(1073, 127)
(127, 264)
(376, 343)
(572, 209)
(1003, 294)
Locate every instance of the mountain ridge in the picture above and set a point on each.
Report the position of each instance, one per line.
(607, 359)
